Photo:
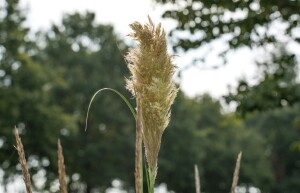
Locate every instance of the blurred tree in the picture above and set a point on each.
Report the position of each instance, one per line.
(272, 106)
(200, 134)
(24, 97)
(278, 86)
(179, 151)
(267, 26)
(280, 129)
(251, 23)
(87, 57)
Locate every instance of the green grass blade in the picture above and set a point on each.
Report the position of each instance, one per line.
(133, 113)
(115, 91)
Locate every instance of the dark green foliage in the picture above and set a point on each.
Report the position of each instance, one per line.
(280, 129)
(243, 20)
(259, 25)
(24, 96)
(278, 86)
(45, 89)
(271, 106)
(200, 133)
(87, 58)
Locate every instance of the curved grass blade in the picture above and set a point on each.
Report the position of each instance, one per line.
(138, 153)
(115, 91)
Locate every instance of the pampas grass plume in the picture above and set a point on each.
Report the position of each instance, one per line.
(151, 83)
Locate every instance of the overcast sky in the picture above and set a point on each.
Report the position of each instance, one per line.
(121, 13)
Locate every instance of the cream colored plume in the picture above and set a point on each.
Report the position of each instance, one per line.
(151, 83)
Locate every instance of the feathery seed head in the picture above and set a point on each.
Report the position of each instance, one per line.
(151, 83)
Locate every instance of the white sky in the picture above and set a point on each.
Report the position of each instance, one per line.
(121, 13)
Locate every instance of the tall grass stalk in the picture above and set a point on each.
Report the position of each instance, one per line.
(236, 173)
(151, 83)
(139, 155)
(61, 169)
(197, 179)
(22, 160)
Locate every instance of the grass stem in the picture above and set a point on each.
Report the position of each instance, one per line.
(61, 169)
(236, 173)
(22, 160)
(197, 179)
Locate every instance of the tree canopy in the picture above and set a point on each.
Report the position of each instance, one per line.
(88, 58)
(248, 23)
(269, 28)
(24, 96)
